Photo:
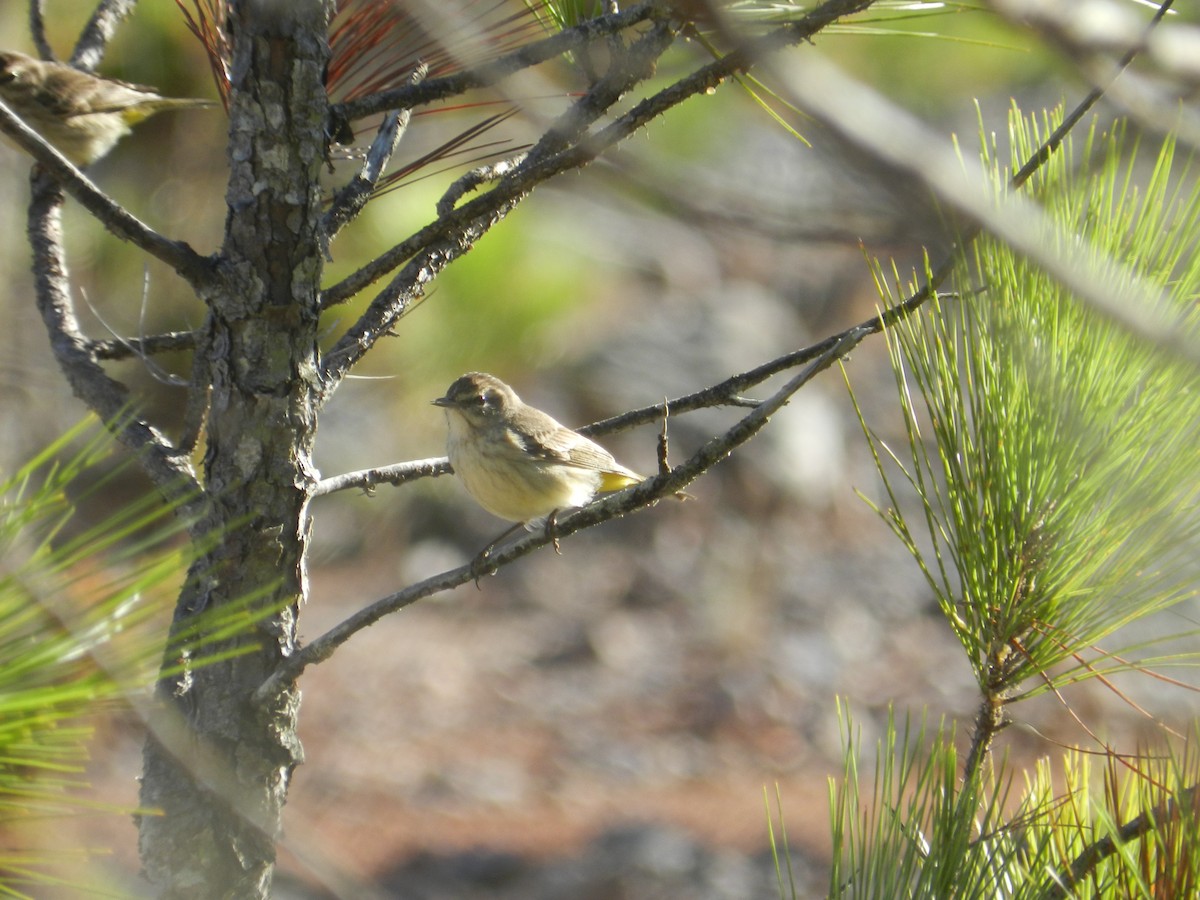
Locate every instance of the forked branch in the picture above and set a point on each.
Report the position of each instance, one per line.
(104, 395)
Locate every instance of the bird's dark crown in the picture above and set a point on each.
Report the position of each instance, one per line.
(478, 391)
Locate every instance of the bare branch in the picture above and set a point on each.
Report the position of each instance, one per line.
(124, 348)
(728, 392)
(474, 179)
(190, 265)
(353, 197)
(37, 30)
(439, 229)
(99, 31)
(398, 474)
(105, 396)
(497, 70)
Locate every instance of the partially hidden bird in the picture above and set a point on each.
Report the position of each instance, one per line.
(82, 115)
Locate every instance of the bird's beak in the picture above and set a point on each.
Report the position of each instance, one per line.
(442, 401)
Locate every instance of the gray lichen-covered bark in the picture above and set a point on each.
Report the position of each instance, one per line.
(218, 764)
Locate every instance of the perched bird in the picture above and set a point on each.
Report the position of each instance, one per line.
(82, 115)
(518, 462)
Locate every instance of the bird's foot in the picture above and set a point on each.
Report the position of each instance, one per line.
(482, 564)
(552, 531)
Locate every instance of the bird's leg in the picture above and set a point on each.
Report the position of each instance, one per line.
(479, 567)
(552, 531)
(480, 562)
(663, 465)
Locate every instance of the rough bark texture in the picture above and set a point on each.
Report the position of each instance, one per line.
(218, 764)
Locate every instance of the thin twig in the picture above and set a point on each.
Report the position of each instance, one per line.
(367, 479)
(123, 348)
(664, 447)
(490, 73)
(37, 30)
(353, 197)
(475, 179)
(99, 31)
(726, 393)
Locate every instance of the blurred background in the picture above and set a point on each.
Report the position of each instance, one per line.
(601, 723)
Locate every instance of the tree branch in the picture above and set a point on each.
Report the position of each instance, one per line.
(408, 286)
(353, 197)
(397, 474)
(106, 397)
(99, 31)
(490, 73)
(475, 179)
(124, 348)
(1085, 863)
(37, 30)
(197, 270)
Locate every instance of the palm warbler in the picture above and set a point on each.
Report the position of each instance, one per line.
(80, 114)
(518, 462)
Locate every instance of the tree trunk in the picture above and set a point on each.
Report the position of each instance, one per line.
(218, 765)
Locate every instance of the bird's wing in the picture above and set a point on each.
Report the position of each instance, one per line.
(84, 94)
(551, 441)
